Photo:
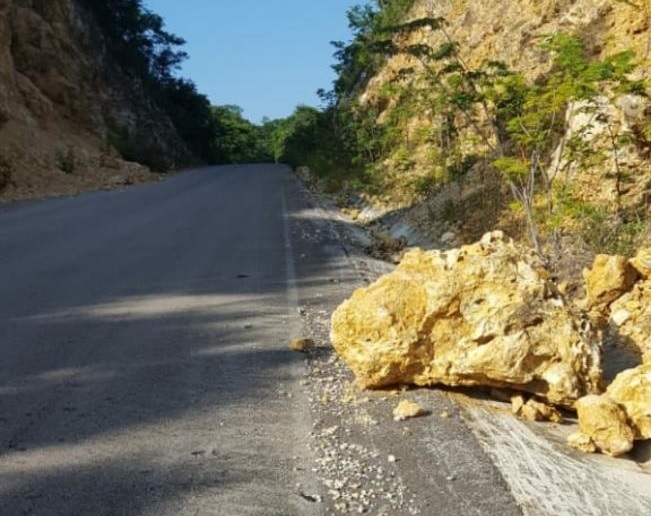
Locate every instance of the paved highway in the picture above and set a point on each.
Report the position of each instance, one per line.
(144, 370)
(143, 339)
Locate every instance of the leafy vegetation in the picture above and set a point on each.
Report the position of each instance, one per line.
(515, 132)
(237, 140)
(6, 171)
(66, 160)
(137, 40)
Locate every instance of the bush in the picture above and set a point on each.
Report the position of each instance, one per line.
(6, 171)
(66, 160)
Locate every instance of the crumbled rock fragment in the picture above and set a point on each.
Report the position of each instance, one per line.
(533, 410)
(631, 389)
(482, 314)
(581, 442)
(605, 422)
(407, 409)
(302, 345)
(517, 402)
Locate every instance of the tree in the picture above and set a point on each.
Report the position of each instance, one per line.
(138, 42)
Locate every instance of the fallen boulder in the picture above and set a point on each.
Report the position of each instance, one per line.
(604, 422)
(610, 423)
(631, 389)
(642, 262)
(480, 315)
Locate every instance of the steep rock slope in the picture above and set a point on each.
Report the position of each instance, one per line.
(65, 105)
(512, 33)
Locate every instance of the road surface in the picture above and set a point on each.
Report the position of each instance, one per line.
(143, 342)
(144, 368)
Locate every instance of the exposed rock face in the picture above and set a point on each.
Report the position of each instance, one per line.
(609, 278)
(512, 32)
(61, 93)
(642, 263)
(618, 298)
(631, 389)
(483, 314)
(605, 423)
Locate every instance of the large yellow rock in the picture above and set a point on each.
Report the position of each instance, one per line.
(482, 314)
(630, 319)
(605, 422)
(642, 262)
(609, 278)
(631, 389)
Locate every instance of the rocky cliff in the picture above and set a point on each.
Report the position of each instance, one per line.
(617, 179)
(65, 105)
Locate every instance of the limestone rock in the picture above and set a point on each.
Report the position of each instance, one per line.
(630, 320)
(631, 389)
(581, 442)
(407, 409)
(642, 262)
(533, 410)
(302, 345)
(605, 422)
(609, 278)
(482, 314)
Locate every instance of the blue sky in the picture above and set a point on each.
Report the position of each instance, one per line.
(266, 56)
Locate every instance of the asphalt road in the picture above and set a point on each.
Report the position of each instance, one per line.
(144, 370)
(144, 366)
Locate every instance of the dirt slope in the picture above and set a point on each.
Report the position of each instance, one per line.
(63, 101)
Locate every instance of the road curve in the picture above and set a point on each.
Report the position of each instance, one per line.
(144, 365)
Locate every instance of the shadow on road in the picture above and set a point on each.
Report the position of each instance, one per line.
(143, 329)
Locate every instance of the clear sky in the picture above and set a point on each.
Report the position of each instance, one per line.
(266, 56)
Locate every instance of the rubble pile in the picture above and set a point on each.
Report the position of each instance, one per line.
(487, 314)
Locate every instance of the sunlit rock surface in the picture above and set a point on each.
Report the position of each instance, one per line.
(609, 278)
(631, 389)
(630, 319)
(605, 423)
(483, 314)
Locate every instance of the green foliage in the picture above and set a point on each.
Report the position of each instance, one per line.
(66, 160)
(137, 41)
(488, 114)
(192, 116)
(136, 37)
(237, 140)
(513, 168)
(6, 171)
(519, 124)
(137, 146)
(360, 58)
